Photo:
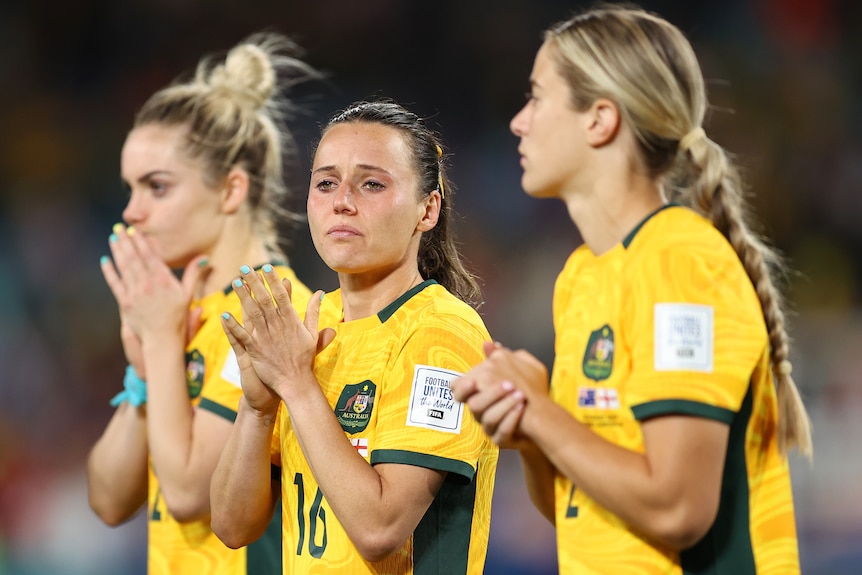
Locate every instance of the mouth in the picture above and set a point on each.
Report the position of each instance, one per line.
(342, 231)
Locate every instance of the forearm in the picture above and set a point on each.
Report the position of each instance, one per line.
(380, 525)
(241, 492)
(170, 422)
(618, 479)
(117, 467)
(539, 478)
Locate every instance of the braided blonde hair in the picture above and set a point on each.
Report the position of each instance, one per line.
(648, 68)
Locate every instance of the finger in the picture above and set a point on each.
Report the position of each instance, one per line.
(490, 347)
(324, 338)
(493, 415)
(480, 402)
(463, 388)
(251, 311)
(280, 289)
(126, 256)
(112, 278)
(193, 321)
(259, 291)
(193, 275)
(508, 426)
(237, 335)
(312, 312)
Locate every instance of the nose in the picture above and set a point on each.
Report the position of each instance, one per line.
(343, 199)
(135, 210)
(518, 125)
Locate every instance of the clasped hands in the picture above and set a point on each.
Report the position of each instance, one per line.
(499, 391)
(275, 348)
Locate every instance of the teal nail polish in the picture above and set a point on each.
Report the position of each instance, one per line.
(112, 238)
(203, 263)
(321, 295)
(245, 269)
(237, 283)
(103, 260)
(225, 315)
(267, 268)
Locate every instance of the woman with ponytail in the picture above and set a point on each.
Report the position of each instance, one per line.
(203, 166)
(660, 445)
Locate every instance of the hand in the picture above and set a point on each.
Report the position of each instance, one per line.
(274, 343)
(498, 391)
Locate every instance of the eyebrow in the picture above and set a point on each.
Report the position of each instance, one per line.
(367, 167)
(150, 175)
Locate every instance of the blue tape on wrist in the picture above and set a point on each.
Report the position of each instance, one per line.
(134, 390)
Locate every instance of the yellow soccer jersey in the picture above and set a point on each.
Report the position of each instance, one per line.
(214, 385)
(669, 323)
(387, 380)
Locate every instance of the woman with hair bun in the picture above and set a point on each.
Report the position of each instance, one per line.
(203, 164)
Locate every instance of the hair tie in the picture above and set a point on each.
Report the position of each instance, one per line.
(440, 172)
(686, 141)
(784, 367)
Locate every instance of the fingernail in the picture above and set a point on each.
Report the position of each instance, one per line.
(321, 295)
(244, 269)
(237, 283)
(112, 238)
(130, 230)
(507, 386)
(225, 315)
(118, 227)
(103, 260)
(203, 263)
(267, 268)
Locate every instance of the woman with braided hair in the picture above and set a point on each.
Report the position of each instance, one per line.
(203, 164)
(660, 445)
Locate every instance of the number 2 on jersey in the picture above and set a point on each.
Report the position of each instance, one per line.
(316, 512)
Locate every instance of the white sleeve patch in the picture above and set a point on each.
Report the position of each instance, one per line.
(683, 337)
(230, 370)
(431, 403)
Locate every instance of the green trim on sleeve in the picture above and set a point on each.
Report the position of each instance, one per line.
(727, 546)
(442, 540)
(682, 407)
(218, 409)
(264, 554)
(423, 460)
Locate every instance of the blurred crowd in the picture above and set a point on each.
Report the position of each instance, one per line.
(785, 80)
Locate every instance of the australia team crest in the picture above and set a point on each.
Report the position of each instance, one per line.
(354, 405)
(599, 355)
(194, 372)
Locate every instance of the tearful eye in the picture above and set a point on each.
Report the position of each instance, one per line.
(324, 185)
(374, 185)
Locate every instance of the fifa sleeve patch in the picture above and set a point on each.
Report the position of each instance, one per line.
(431, 403)
(683, 337)
(230, 370)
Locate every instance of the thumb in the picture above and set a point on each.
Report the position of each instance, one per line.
(312, 312)
(324, 338)
(194, 272)
(490, 347)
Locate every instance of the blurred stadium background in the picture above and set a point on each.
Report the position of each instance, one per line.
(785, 78)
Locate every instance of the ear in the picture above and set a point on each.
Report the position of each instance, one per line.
(603, 122)
(235, 190)
(431, 212)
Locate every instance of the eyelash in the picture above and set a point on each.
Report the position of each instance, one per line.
(327, 185)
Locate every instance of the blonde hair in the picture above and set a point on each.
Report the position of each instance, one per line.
(234, 111)
(649, 70)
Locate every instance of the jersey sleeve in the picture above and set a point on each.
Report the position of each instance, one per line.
(698, 334)
(419, 422)
(222, 388)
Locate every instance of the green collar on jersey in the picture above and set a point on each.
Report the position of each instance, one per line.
(389, 310)
(629, 238)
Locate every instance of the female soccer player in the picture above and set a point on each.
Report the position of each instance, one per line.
(203, 163)
(660, 445)
(380, 470)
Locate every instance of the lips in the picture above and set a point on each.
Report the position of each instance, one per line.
(342, 231)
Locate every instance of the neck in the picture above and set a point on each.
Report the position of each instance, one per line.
(365, 294)
(610, 208)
